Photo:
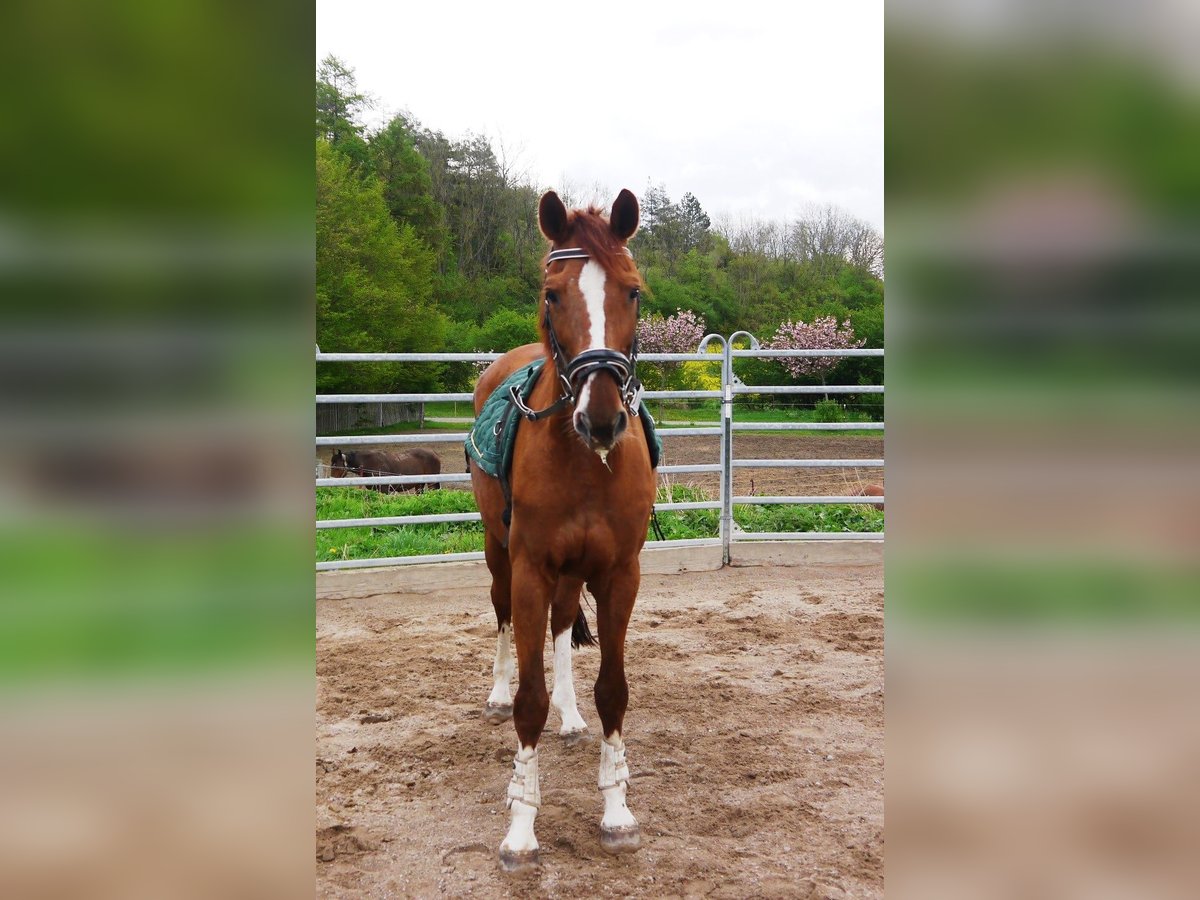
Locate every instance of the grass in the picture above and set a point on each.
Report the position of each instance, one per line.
(664, 413)
(397, 428)
(394, 540)
(710, 413)
(450, 409)
(455, 537)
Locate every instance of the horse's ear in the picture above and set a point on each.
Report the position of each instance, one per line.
(624, 217)
(552, 217)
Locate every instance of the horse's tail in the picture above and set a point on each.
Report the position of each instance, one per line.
(580, 633)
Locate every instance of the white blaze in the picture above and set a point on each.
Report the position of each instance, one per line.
(563, 697)
(591, 284)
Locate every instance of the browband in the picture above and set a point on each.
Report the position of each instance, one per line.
(573, 253)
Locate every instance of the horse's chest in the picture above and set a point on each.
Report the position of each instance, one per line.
(596, 531)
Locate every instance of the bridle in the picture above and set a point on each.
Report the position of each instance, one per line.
(575, 371)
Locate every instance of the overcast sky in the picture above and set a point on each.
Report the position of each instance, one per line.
(757, 108)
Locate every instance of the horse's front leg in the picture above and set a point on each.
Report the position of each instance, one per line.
(615, 595)
(532, 591)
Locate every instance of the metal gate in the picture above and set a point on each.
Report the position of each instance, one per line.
(729, 532)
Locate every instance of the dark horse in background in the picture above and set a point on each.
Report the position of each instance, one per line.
(377, 463)
(582, 493)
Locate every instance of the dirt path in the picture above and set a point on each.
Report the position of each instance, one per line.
(786, 482)
(755, 736)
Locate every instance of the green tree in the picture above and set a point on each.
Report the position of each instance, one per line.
(670, 231)
(374, 282)
(407, 185)
(693, 224)
(340, 106)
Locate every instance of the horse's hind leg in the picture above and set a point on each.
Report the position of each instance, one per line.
(615, 595)
(564, 611)
(499, 706)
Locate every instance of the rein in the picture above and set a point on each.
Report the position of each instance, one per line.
(623, 368)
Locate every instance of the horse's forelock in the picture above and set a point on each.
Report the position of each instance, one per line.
(589, 229)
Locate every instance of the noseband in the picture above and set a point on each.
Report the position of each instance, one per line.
(577, 370)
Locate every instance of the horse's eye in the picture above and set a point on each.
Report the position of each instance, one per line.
(634, 295)
(551, 297)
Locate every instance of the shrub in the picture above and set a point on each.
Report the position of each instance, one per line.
(829, 410)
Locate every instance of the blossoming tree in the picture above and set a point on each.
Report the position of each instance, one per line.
(823, 334)
(680, 333)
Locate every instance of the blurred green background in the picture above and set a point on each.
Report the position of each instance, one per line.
(1042, 225)
(156, 273)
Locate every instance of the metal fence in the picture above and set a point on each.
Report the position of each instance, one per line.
(729, 532)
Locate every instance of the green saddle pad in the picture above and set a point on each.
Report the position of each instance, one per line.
(492, 437)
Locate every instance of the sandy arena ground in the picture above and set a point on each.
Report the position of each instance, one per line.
(755, 736)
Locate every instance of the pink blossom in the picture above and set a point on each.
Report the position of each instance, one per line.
(822, 334)
(680, 333)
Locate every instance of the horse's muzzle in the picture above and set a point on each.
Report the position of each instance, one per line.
(601, 435)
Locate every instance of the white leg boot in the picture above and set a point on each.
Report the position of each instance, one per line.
(519, 849)
(619, 831)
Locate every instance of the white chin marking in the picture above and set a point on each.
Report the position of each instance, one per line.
(502, 668)
(563, 696)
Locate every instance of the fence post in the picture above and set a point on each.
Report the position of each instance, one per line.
(726, 520)
(727, 443)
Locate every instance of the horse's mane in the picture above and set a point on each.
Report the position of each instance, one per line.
(589, 230)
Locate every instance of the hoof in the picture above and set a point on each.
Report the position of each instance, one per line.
(518, 860)
(576, 737)
(625, 839)
(495, 713)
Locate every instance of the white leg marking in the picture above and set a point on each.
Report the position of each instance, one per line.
(563, 696)
(614, 779)
(524, 798)
(502, 668)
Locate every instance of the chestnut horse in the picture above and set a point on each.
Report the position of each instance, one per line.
(582, 490)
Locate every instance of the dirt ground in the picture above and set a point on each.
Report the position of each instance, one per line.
(680, 451)
(755, 736)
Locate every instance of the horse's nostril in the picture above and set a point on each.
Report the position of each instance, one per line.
(621, 423)
(583, 424)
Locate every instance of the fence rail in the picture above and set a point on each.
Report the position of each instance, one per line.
(729, 532)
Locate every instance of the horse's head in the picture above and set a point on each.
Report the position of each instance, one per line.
(343, 464)
(590, 299)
